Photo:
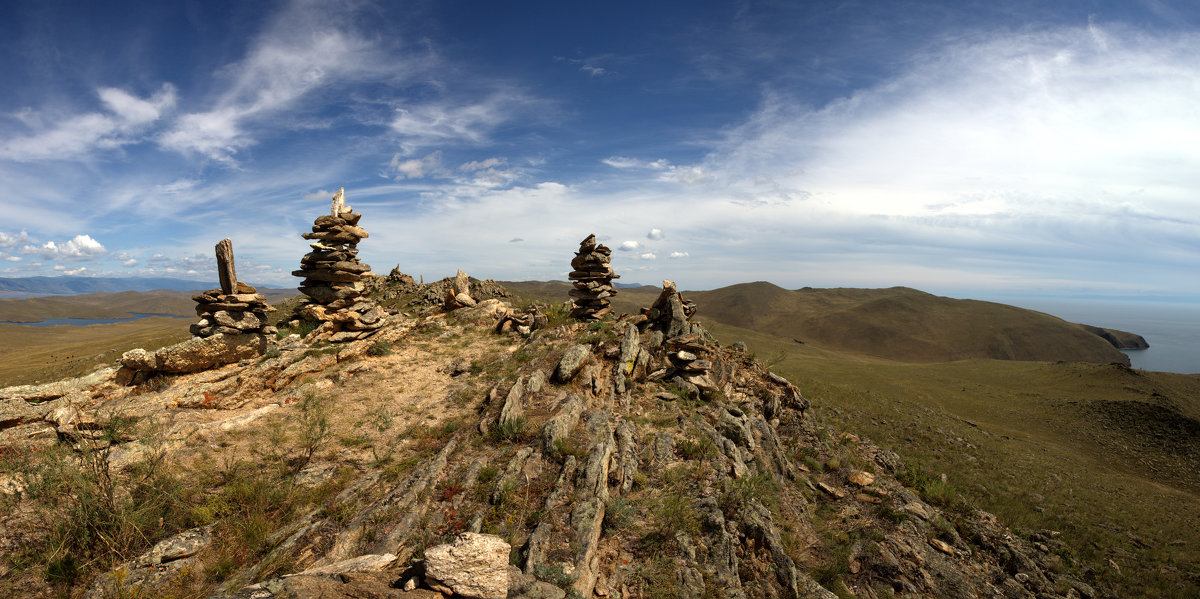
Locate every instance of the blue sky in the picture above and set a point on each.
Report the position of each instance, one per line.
(975, 149)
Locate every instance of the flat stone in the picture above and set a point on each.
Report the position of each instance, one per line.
(862, 479)
(942, 546)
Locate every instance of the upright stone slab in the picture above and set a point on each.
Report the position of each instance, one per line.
(225, 270)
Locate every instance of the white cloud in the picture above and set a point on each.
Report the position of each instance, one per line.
(629, 246)
(134, 110)
(308, 47)
(440, 123)
(690, 174)
(70, 271)
(655, 234)
(130, 263)
(416, 168)
(177, 186)
(68, 137)
(677, 255)
(647, 256)
(625, 162)
(82, 247)
(10, 258)
(8, 240)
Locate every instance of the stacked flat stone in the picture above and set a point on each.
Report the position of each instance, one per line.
(592, 278)
(333, 276)
(234, 309)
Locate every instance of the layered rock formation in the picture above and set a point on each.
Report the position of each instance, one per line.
(592, 278)
(235, 308)
(333, 277)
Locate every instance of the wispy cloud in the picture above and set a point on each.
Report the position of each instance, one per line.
(422, 125)
(309, 46)
(70, 137)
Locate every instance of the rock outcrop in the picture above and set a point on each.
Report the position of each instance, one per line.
(592, 277)
(333, 278)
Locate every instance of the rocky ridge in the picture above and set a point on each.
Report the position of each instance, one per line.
(624, 457)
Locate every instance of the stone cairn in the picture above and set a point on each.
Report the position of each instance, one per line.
(592, 277)
(333, 277)
(234, 309)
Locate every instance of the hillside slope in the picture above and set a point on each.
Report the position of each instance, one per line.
(897, 323)
(615, 463)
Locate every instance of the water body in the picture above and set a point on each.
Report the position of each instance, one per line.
(51, 322)
(1171, 329)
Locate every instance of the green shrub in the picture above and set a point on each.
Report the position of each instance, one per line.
(379, 348)
(618, 515)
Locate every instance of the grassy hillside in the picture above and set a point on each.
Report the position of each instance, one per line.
(897, 323)
(110, 305)
(41, 354)
(905, 324)
(1101, 453)
(38, 354)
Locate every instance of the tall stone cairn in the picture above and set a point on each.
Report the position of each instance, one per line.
(234, 309)
(333, 277)
(592, 277)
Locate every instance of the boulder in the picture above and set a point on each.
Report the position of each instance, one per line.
(198, 353)
(474, 565)
(572, 362)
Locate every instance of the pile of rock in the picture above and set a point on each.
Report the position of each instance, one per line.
(592, 277)
(234, 309)
(459, 296)
(333, 277)
(670, 314)
(524, 323)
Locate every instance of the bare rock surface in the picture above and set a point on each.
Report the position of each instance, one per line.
(474, 565)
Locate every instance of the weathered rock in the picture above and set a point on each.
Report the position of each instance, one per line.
(560, 425)
(862, 479)
(474, 565)
(225, 269)
(363, 563)
(198, 354)
(572, 362)
(512, 403)
(138, 359)
(184, 544)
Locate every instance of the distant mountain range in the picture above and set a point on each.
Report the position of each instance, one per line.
(76, 285)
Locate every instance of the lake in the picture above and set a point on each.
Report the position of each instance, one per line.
(51, 322)
(1171, 329)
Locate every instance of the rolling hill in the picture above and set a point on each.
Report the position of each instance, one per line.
(896, 323)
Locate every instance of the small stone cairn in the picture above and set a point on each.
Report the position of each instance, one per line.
(592, 277)
(333, 277)
(234, 309)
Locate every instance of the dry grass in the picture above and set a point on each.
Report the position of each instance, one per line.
(1103, 454)
(40, 354)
